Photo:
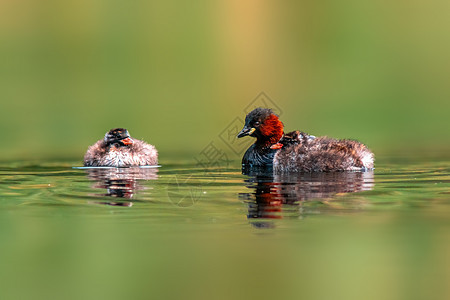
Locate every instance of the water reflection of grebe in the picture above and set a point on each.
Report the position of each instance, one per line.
(120, 182)
(277, 196)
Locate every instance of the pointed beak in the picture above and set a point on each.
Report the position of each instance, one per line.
(245, 131)
(127, 141)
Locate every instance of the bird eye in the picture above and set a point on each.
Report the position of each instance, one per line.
(256, 123)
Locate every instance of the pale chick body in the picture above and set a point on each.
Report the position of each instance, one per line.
(118, 149)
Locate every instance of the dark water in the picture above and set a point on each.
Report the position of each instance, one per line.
(180, 231)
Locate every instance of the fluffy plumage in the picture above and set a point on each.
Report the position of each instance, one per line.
(118, 149)
(323, 154)
(297, 151)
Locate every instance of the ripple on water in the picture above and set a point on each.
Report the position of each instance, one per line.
(263, 196)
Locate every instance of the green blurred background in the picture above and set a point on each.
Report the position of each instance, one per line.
(176, 74)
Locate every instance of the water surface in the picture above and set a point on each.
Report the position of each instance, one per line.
(185, 231)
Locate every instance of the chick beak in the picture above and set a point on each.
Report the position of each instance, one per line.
(127, 141)
(246, 131)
